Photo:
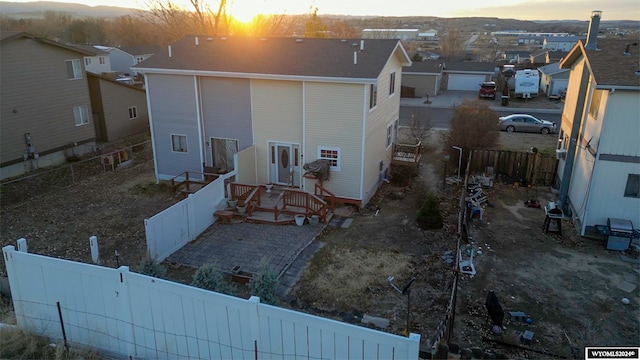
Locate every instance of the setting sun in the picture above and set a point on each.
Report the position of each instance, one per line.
(245, 10)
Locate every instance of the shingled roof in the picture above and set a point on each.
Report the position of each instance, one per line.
(428, 67)
(289, 57)
(609, 64)
(15, 35)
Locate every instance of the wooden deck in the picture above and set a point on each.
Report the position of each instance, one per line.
(406, 154)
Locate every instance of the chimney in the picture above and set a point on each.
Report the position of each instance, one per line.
(197, 41)
(594, 28)
(169, 50)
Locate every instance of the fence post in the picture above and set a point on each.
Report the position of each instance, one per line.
(126, 325)
(64, 333)
(413, 350)
(254, 320)
(95, 252)
(22, 245)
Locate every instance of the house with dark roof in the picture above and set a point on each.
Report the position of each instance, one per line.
(466, 75)
(599, 150)
(538, 57)
(124, 58)
(555, 56)
(45, 112)
(553, 80)
(304, 100)
(560, 43)
(423, 77)
(99, 62)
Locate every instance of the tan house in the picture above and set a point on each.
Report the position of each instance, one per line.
(287, 101)
(598, 150)
(45, 112)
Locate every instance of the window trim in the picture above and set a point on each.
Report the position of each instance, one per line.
(392, 84)
(186, 144)
(76, 76)
(102, 60)
(337, 159)
(84, 115)
(133, 110)
(87, 61)
(628, 186)
(389, 135)
(373, 96)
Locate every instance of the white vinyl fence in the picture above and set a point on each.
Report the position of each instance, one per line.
(125, 314)
(171, 229)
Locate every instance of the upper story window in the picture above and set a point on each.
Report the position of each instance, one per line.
(74, 71)
(87, 61)
(179, 143)
(392, 83)
(133, 112)
(332, 154)
(102, 60)
(373, 95)
(81, 115)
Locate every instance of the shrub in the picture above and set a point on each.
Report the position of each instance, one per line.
(151, 267)
(264, 284)
(429, 217)
(210, 278)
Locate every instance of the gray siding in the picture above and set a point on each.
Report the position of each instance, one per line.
(120, 61)
(37, 98)
(173, 111)
(116, 100)
(226, 110)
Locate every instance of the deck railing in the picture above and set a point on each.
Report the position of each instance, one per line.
(407, 153)
(253, 200)
(206, 178)
(241, 191)
(321, 192)
(278, 210)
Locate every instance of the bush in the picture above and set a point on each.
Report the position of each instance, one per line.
(210, 278)
(429, 217)
(151, 267)
(264, 284)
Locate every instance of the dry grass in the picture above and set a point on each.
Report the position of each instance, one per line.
(17, 344)
(337, 276)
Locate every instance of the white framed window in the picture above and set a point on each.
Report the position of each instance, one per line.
(179, 143)
(74, 71)
(133, 112)
(632, 189)
(392, 83)
(373, 95)
(102, 60)
(81, 115)
(389, 135)
(87, 61)
(332, 154)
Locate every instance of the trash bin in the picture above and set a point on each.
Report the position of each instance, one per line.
(505, 100)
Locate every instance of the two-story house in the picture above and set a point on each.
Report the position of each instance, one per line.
(45, 112)
(599, 147)
(559, 43)
(99, 62)
(296, 100)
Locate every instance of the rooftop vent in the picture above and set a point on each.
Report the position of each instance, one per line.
(197, 41)
(343, 40)
(209, 38)
(298, 40)
(223, 38)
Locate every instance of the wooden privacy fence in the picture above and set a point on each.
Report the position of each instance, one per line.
(527, 168)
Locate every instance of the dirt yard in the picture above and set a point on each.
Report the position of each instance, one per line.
(567, 285)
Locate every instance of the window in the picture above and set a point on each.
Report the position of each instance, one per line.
(389, 135)
(633, 186)
(179, 143)
(595, 103)
(87, 61)
(80, 115)
(133, 112)
(392, 84)
(332, 154)
(373, 96)
(74, 71)
(102, 60)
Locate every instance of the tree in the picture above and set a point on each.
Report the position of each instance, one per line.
(473, 126)
(210, 278)
(452, 44)
(314, 27)
(264, 284)
(429, 216)
(416, 57)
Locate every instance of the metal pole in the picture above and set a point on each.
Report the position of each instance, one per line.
(408, 310)
(64, 334)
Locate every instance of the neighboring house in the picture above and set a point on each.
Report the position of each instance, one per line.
(430, 34)
(538, 57)
(599, 151)
(126, 57)
(517, 56)
(555, 56)
(140, 53)
(423, 76)
(467, 75)
(292, 101)
(45, 113)
(530, 40)
(398, 34)
(99, 62)
(561, 43)
(119, 110)
(553, 80)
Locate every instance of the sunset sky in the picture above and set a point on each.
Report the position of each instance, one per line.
(516, 9)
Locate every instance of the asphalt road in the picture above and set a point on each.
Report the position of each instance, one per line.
(441, 118)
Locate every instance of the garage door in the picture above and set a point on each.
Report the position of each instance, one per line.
(465, 82)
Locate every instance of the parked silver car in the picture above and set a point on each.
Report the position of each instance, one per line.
(526, 123)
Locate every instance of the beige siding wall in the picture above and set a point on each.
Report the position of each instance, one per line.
(571, 99)
(334, 119)
(37, 98)
(116, 101)
(277, 116)
(247, 166)
(378, 119)
(621, 125)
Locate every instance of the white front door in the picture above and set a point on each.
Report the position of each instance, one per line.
(284, 164)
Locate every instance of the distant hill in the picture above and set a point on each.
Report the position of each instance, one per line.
(38, 8)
